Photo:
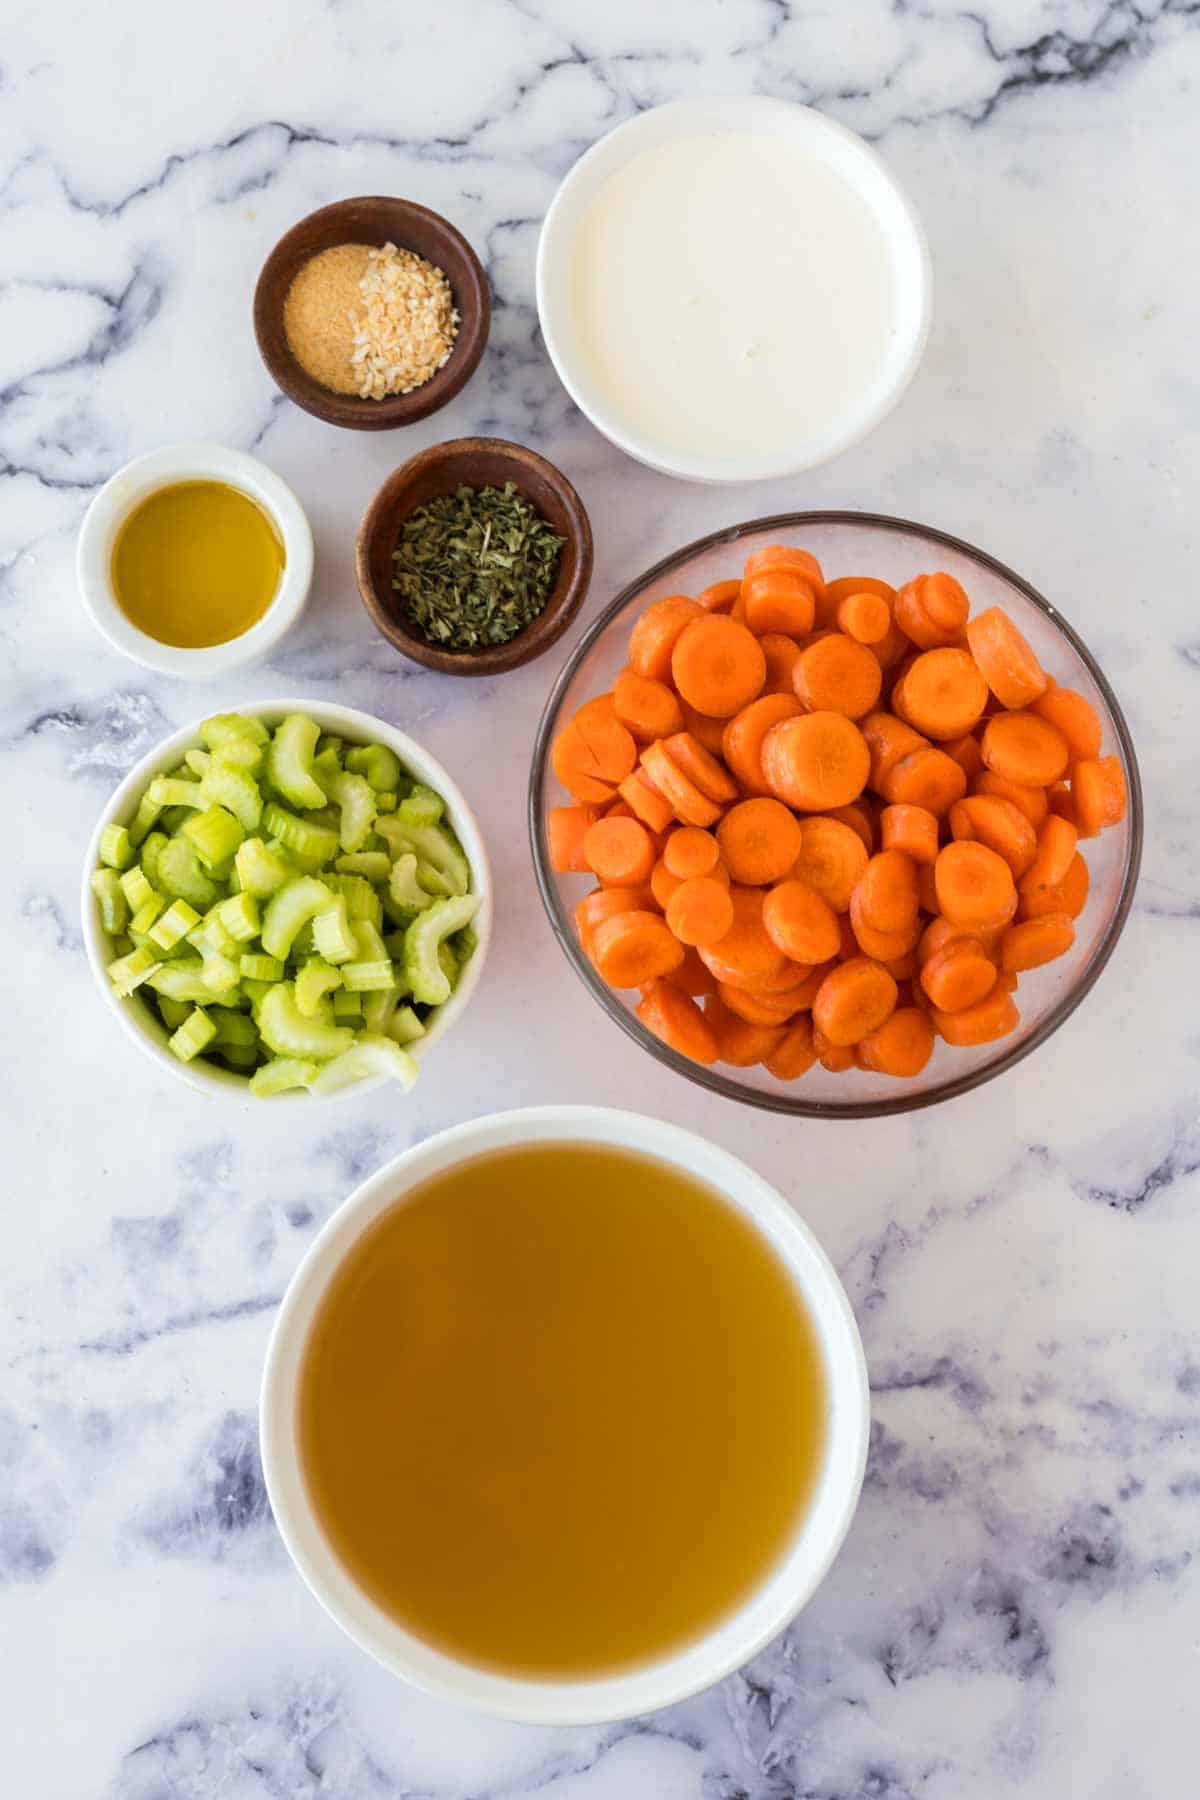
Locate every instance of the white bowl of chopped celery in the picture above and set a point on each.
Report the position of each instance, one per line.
(293, 899)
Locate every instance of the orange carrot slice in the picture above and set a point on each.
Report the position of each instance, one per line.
(1004, 658)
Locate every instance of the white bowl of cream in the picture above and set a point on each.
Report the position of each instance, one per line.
(733, 290)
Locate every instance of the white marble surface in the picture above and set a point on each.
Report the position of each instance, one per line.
(1017, 1609)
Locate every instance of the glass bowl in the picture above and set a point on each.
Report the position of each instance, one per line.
(895, 549)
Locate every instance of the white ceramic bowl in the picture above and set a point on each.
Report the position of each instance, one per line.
(135, 1014)
(768, 1609)
(817, 137)
(127, 489)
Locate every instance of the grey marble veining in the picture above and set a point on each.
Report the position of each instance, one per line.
(1017, 1608)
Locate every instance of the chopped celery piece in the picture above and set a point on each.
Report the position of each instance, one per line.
(362, 902)
(123, 943)
(405, 892)
(405, 1026)
(181, 980)
(193, 1036)
(315, 979)
(261, 871)
(166, 790)
(180, 874)
(424, 938)
(347, 1005)
(260, 968)
(145, 816)
(152, 849)
(281, 1074)
(355, 799)
(176, 922)
(110, 897)
(197, 761)
(211, 938)
(136, 889)
(372, 865)
(215, 834)
(464, 944)
(421, 807)
(369, 1056)
(145, 915)
(316, 842)
(289, 909)
(432, 844)
(332, 935)
(255, 991)
(172, 1012)
(220, 974)
(116, 847)
(234, 1027)
(378, 1006)
(235, 791)
(287, 1032)
(448, 963)
(304, 944)
(232, 728)
(238, 1056)
(365, 977)
(240, 917)
(129, 972)
(289, 761)
(368, 943)
(380, 765)
(330, 744)
(386, 803)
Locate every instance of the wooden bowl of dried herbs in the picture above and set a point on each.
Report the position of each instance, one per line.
(474, 556)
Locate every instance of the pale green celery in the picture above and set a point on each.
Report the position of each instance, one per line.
(193, 1036)
(315, 979)
(176, 922)
(368, 942)
(211, 938)
(225, 728)
(289, 909)
(181, 980)
(145, 915)
(281, 1074)
(347, 1005)
(448, 963)
(423, 940)
(386, 803)
(152, 848)
(405, 1026)
(129, 972)
(421, 807)
(116, 847)
(367, 977)
(260, 968)
(405, 892)
(289, 761)
(261, 871)
(215, 835)
(110, 898)
(355, 798)
(362, 902)
(220, 975)
(431, 844)
(234, 1027)
(315, 842)
(287, 1032)
(242, 1057)
(145, 816)
(197, 761)
(331, 745)
(136, 889)
(372, 865)
(240, 917)
(256, 991)
(180, 875)
(380, 765)
(304, 944)
(464, 944)
(378, 1006)
(393, 943)
(370, 1055)
(332, 935)
(326, 764)
(167, 790)
(123, 944)
(233, 789)
(172, 1012)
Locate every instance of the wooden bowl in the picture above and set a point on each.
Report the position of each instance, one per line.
(373, 219)
(477, 462)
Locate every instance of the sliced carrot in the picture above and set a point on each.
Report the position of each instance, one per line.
(717, 666)
(966, 753)
(1005, 660)
(883, 946)
(800, 923)
(688, 804)
(887, 892)
(941, 931)
(663, 884)
(1036, 941)
(912, 829)
(835, 592)
(645, 802)
(860, 816)
(902, 968)
(632, 949)
(756, 1008)
(700, 910)
(1031, 800)
(709, 732)
(1056, 844)
(1022, 747)
(689, 851)
(605, 903)
(1062, 802)
(927, 778)
(1074, 718)
(745, 955)
(836, 1058)
(744, 734)
(831, 860)
(958, 975)
(865, 617)
(854, 1000)
(941, 694)
(1000, 825)
(1069, 897)
(720, 597)
(566, 828)
(738, 1041)
(815, 762)
(782, 654)
(691, 977)
(653, 638)
(701, 767)
(901, 1046)
(785, 556)
(888, 739)
(974, 886)
(795, 1053)
(836, 674)
(678, 1022)
(760, 841)
(646, 707)
(778, 600)
(932, 610)
(992, 1017)
(619, 852)
(573, 764)
(1098, 789)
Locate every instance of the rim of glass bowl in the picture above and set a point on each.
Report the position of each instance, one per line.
(786, 1102)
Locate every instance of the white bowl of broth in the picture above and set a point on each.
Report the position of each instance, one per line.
(194, 560)
(565, 1415)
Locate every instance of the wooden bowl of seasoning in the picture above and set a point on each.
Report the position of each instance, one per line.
(372, 313)
(474, 556)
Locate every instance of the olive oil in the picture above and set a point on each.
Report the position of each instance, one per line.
(196, 564)
(560, 1410)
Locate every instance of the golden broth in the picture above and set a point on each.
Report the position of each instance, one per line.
(196, 564)
(560, 1410)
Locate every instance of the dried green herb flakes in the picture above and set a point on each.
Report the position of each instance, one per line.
(474, 567)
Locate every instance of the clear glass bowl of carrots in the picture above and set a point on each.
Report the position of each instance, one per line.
(834, 814)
